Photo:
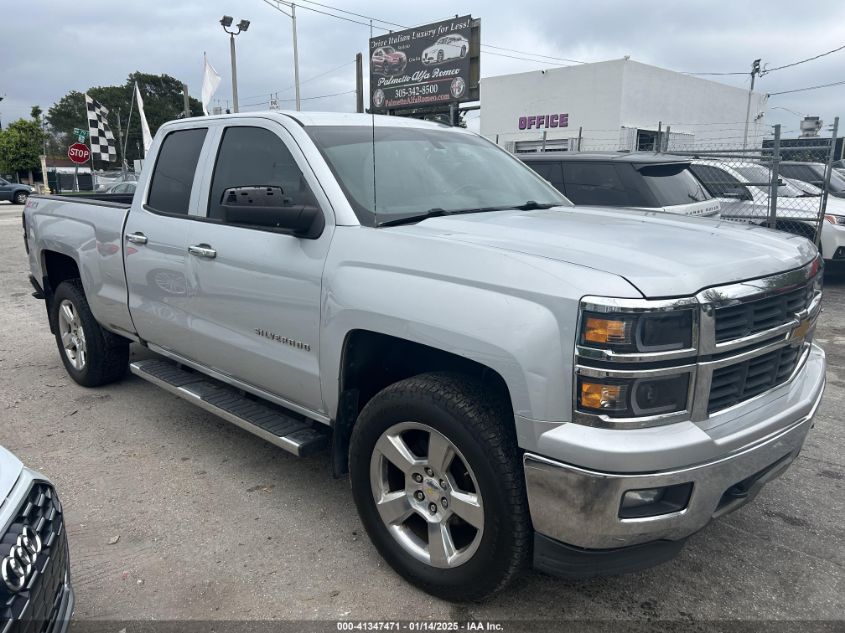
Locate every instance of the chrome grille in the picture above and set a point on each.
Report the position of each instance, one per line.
(35, 608)
(736, 383)
(750, 317)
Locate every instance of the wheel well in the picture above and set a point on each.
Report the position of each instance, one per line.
(371, 361)
(57, 268)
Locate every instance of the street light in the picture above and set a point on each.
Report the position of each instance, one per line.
(278, 4)
(243, 25)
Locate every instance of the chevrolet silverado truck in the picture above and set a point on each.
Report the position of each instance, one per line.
(507, 379)
(35, 589)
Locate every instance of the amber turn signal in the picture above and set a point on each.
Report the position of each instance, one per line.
(597, 330)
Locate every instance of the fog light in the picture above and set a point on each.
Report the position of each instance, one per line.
(653, 502)
(603, 397)
(635, 498)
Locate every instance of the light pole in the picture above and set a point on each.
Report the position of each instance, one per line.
(278, 4)
(243, 25)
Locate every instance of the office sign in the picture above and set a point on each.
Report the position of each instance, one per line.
(424, 66)
(543, 121)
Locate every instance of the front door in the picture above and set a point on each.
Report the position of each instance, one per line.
(254, 306)
(156, 243)
(5, 190)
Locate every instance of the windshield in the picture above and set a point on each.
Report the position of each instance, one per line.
(673, 184)
(420, 170)
(387, 50)
(760, 176)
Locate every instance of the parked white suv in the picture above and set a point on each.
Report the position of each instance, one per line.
(744, 197)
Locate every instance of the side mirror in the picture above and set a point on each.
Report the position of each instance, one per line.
(267, 207)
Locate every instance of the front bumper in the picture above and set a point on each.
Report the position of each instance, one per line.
(580, 506)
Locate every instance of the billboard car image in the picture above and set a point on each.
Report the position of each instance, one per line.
(386, 60)
(425, 66)
(446, 48)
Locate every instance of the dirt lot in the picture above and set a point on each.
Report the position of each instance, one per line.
(213, 523)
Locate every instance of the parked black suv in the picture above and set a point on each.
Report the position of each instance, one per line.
(639, 180)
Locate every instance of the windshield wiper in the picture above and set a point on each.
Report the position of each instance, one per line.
(437, 212)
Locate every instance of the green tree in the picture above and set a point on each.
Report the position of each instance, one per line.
(21, 145)
(163, 101)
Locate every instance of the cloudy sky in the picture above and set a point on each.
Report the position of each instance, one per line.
(70, 45)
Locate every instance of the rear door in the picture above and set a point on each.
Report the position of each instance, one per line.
(156, 242)
(5, 190)
(255, 303)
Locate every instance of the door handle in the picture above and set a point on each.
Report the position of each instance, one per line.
(136, 238)
(202, 250)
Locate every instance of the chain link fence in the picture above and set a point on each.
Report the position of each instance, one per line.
(787, 185)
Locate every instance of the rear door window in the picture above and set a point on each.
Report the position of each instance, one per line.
(173, 177)
(720, 183)
(673, 184)
(592, 183)
(551, 171)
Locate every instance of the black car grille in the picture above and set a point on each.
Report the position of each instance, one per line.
(735, 383)
(747, 318)
(34, 609)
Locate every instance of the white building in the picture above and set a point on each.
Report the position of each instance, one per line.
(616, 105)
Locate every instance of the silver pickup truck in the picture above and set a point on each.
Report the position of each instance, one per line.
(508, 380)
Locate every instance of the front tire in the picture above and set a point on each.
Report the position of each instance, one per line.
(437, 480)
(91, 355)
(20, 197)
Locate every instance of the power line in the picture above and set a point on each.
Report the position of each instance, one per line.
(305, 81)
(334, 94)
(786, 92)
(511, 50)
(402, 26)
(803, 61)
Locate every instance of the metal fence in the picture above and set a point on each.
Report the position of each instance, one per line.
(785, 186)
(787, 191)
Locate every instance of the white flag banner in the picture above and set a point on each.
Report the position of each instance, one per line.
(145, 127)
(210, 81)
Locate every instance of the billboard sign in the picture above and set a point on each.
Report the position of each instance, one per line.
(424, 66)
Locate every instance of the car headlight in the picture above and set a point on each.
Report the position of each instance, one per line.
(633, 397)
(637, 332)
(835, 219)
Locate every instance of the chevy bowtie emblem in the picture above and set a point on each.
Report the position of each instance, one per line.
(800, 331)
(16, 569)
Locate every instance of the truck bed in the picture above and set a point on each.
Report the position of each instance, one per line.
(119, 200)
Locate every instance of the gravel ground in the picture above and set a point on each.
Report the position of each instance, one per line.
(211, 522)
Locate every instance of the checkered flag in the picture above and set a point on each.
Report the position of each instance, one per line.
(102, 140)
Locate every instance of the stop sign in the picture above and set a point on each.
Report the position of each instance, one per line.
(79, 153)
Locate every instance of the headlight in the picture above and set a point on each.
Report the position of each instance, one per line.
(835, 219)
(637, 332)
(633, 397)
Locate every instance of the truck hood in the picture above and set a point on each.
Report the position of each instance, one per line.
(10, 470)
(661, 255)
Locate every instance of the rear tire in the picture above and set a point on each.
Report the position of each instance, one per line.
(483, 466)
(91, 355)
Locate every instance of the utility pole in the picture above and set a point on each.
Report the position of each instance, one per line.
(755, 72)
(120, 146)
(359, 83)
(295, 54)
(186, 101)
(277, 5)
